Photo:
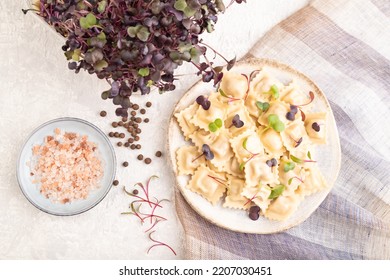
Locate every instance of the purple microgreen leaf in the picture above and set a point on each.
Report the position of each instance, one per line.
(231, 63)
(298, 142)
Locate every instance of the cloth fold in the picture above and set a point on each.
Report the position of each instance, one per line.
(343, 46)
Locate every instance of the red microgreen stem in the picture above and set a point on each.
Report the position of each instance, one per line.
(250, 200)
(159, 243)
(218, 180)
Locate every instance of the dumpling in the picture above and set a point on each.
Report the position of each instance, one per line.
(292, 94)
(262, 84)
(296, 175)
(221, 149)
(295, 138)
(283, 207)
(272, 142)
(234, 85)
(207, 183)
(259, 195)
(202, 118)
(200, 137)
(234, 199)
(315, 124)
(314, 181)
(184, 119)
(238, 109)
(188, 160)
(233, 168)
(257, 171)
(253, 145)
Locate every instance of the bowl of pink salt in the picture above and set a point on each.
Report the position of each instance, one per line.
(66, 166)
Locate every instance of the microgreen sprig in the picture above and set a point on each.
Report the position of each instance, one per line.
(237, 122)
(218, 180)
(277, 191)
(300, 161)
(263, 106)
(288, 166)
(151, 216)
(215, 125)
(273, 91)
(253, 155)
(230, 98)
(275, 123)
(145, 41)
(206, 152)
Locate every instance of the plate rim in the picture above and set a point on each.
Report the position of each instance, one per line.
(251, 60)
(18, 175)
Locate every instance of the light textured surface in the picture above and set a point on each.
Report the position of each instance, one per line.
(342, 45)
(35, 86)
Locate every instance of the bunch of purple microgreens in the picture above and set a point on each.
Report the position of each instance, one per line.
(135, 44)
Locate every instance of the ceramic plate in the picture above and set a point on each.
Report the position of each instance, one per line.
(328, 156)
(81, 127)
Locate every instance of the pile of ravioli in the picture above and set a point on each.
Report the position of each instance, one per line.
(240, 176)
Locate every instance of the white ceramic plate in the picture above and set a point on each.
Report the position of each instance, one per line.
(328, 156)
(81, 127)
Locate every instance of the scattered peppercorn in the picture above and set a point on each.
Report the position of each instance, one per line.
(120, 123)
(127, 144)
(132, 146)
(142, 111)
(135, 107)
(135, 192)
(130, 140)
(119, 144)
(122, 135)
(148, 104)
(148, 160)
(138, 130)
(158, 154)
(116, 134)
(138, 146)
(125, 164)
(138, 120)
(136, 138)
(146, 120)
(115, 183)
(140, 157)
(133, 113)
(103, 113)
(111, 134)
(114, 124)
(124, 119)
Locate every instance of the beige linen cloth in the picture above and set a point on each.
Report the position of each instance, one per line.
(344, 46)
